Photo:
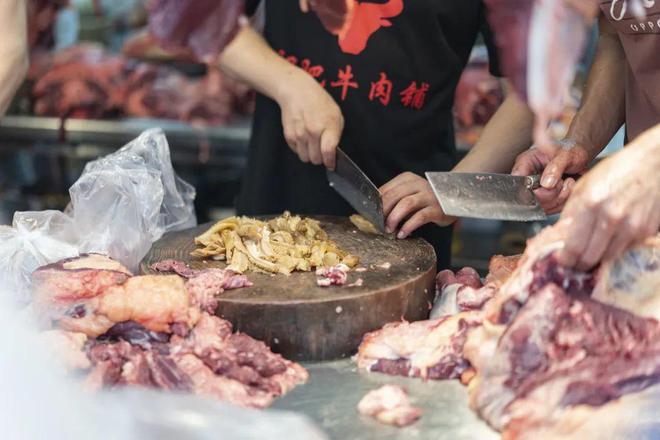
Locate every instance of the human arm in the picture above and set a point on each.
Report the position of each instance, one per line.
(13, 49)
(311, 119)
(599, 118)
(409, 196)
(614, 205)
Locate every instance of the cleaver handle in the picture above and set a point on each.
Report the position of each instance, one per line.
(534, 181)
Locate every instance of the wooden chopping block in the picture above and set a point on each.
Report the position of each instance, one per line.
(305, 322)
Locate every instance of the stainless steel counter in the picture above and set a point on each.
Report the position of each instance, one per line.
(115, 133)
(331, 396)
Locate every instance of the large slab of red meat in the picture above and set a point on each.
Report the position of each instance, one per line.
(540, 43)
(204, 27)
(540, 345)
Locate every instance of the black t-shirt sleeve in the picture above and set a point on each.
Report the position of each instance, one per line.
(489, 40)
(251, 6)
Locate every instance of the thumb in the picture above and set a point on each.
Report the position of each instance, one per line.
(554, 170)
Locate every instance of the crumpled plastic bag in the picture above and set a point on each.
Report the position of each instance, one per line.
(120, 205)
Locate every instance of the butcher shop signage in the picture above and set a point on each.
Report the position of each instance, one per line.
(409, 94)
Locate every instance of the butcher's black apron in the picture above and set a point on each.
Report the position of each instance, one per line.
(393, 73)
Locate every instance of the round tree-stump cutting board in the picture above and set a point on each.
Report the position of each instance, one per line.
(302, 321)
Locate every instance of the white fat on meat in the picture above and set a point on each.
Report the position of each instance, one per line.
(633, 416)
(67, 349)
(423, 343)
(633, 281)
(95, 261)
(154, 301)
(389, 404)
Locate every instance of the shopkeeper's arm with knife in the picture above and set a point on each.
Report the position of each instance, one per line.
(597, 121)
(409, 201)
(13, 49)
(313, 124)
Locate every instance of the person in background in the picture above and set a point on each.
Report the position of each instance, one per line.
(14, 58)
(622, 87)
(615, 205)
(380, 86)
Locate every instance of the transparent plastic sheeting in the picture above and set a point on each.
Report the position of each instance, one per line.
(39, 402)
(120, 205)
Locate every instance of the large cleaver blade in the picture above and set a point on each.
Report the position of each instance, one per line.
(360, 192)
(487, 195)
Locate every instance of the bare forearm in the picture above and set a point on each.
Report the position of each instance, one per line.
(603, 105)
(13, 49)
(250, 59)
(507, 134)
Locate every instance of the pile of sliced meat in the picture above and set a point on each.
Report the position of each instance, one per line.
(84, 81)
(155, 331)
(543, 349)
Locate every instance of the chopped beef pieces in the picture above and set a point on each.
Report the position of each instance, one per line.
(389, 404)
(178, 267)
(332, 276)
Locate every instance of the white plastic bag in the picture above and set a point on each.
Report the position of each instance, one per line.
(120, 205)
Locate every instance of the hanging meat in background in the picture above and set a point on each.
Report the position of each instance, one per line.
(478, 96)
(85, 81)
(204, 27)
(540, 44)
(41, 22)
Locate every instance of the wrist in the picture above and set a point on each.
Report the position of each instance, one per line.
(289, 82)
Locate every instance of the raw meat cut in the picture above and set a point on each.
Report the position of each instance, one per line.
(204, 284)
(633, 416)
(633, 282)
(86, 82)
(204, 27)
(500, 268)
(149, 331)
(57, 287)
(430, 349)
(151, 300)
(478, 95)
(545, 352)
(546, 345)
(332, 276)
(389, 404)
(41, 21)
(558, 352)
(173, 266)
(540, 43)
